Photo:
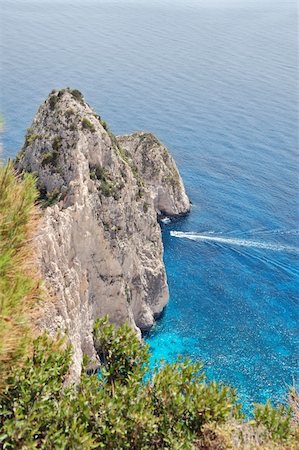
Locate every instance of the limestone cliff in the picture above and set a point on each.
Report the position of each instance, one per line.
(99, 245)
(159, 172)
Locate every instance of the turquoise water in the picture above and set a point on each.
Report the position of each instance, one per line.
(217, 84)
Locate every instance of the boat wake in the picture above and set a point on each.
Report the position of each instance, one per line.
(240, 242)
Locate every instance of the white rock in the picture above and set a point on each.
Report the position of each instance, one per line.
(159, 171)
(99, 245)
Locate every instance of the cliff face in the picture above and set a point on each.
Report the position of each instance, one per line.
(159, 171)
(99, 245)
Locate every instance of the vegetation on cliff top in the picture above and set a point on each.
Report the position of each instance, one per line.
(126, 405)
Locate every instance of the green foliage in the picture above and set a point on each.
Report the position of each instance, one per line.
(52, 101)
(50, 198)
(134, 170)
(120, 352)
(61, 92)
(276, 420)
(107, 186)
(56, 144)
(17, 287)
(140, 192)
(104, 124)
(98, 172)
(124, 407)
(123, 153)
(30, 137)
(50, 158)
(108, 189)
(167, 409)
(88, 125)
(36, 411)
(77, 95)
(184, 402)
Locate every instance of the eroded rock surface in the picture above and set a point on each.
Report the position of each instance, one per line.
(159, 171)
(99, 244)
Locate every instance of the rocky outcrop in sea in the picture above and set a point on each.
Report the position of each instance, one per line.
(99, 241)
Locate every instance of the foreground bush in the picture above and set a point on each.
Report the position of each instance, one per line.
(115, 409)
(122, 407)
(276, 420)
(18, 285)
(167, 410)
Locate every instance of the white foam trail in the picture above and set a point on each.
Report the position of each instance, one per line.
(234, 241)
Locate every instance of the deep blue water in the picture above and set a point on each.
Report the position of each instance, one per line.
(217, 84)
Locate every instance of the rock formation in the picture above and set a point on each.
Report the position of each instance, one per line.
(99, 244)
(159, 172)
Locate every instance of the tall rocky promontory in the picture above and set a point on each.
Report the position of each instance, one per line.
(99, 242)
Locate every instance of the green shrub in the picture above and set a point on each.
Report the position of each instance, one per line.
(184, 402)
(31, 137)
(166, 410)
(107, 186)
(88, 125)
(36, 411)
(276, 420)
(18, 287)
(134, 170)
(50, 198)
(57, 143)
(104, 124)
(61, 92)
(50, 158)
(98, 172)
(125, 406)
(120, 352)
(165, 155)
(77, 95)
(52, 101)
(122, 153)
